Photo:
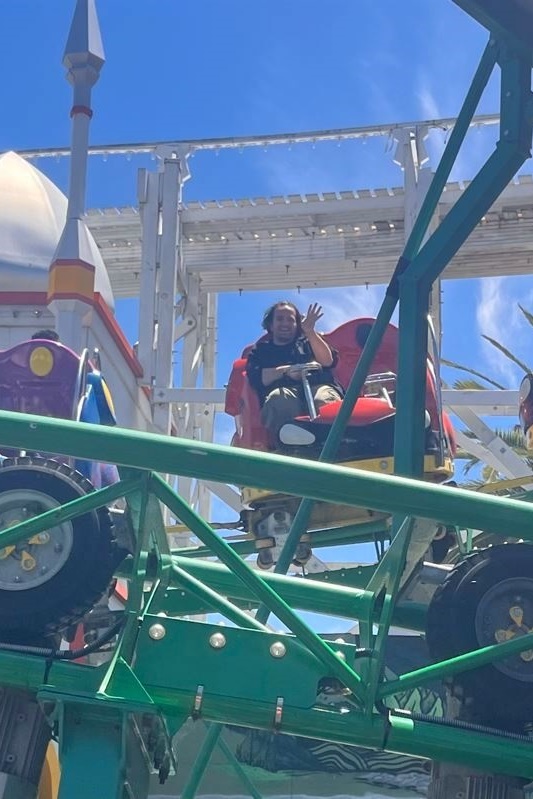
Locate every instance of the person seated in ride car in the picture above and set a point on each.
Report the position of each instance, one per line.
(291, 340)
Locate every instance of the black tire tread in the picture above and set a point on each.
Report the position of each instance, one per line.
(492, 696)
(93, 583)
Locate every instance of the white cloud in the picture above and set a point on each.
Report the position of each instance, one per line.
(429, 107)
(343, 304)
(498, 316)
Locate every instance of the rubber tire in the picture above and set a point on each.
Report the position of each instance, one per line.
(489, 695)
(86, 573)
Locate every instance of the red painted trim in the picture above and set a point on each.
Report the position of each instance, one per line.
(23, 298)
(116, 332)
(81, 109)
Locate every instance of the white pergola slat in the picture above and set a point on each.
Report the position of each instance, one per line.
(345, 238)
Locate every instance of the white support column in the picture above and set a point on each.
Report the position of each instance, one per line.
(411, 156)
(167, 284)
(159, 198)
(191, 359)
(148, 193)
(206, 414)
(166, 320)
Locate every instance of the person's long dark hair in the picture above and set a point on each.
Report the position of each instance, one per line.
(268, 316)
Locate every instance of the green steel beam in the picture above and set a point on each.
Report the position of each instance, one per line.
(214, 600)
(384, 585)
(171, 685)
(461, 663)
(304, 594)
(201, 762)
(263, 591)
(364, 533)
(465, 214)
(409, 426)
(393, 732)
(451, 151)
(125, 647)
(326, 482)
(241, 773)
(51, 518)
(511, 151)
(212, 739)
(415, 282)
(511, 20)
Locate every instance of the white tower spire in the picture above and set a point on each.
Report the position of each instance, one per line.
(71, 279)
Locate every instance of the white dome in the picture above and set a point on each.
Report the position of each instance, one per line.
(32, 216)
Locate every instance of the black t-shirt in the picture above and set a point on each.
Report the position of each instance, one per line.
(266, 355)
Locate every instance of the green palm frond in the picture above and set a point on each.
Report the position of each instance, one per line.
(513, 437)
(472, 372)
(508, 354)
(527, 314)
(472, 485)
(470, 465)
(468, 385)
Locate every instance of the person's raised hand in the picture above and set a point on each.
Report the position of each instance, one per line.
(314, 313)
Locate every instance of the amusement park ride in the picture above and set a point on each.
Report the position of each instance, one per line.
(110, 676)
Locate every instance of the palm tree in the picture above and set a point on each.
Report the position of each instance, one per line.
(513, 436)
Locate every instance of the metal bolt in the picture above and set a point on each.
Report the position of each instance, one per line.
(157, 632)
(278, 649)
(217, 640)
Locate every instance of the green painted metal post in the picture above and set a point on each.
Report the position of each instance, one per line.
(410, 429)
(241, 773)
(211, 740)
(94, 757)
(202, 761)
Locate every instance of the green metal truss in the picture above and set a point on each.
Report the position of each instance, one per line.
(165, 668)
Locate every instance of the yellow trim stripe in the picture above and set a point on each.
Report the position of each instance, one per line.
(71, 279)
(432, 472)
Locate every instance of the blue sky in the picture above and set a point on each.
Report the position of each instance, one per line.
(210, 68)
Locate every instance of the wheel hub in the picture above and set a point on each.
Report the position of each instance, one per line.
(34, 561)
(506, 612)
